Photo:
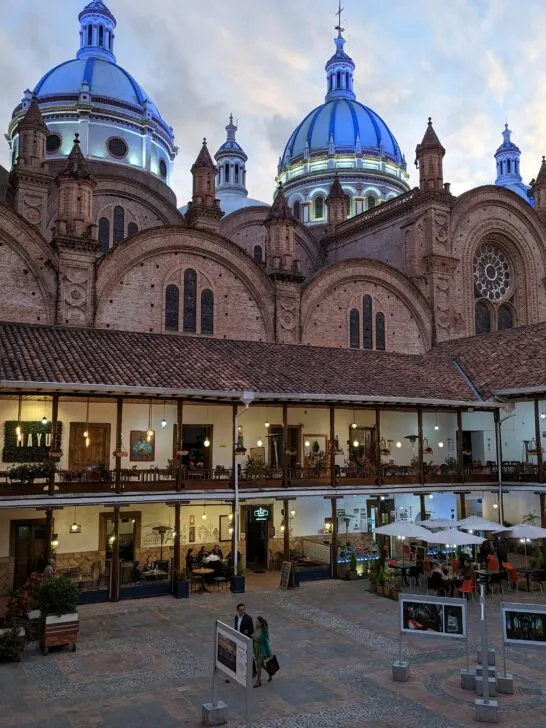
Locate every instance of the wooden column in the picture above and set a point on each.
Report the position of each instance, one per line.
(542, 497)
(49, 534)
(179, 445)
(232, 526)
(54, 425)
(119, 431)
(462, 501)
(540, 458)
(459, 442)
(176, 555)
(286, 524)
(234, 410)
(377, 454)
(420, 468)
(333, 555)
(333, 480)
(422, 506)
(285, 445)
(114, 580)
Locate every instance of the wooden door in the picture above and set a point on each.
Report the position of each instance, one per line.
(28, 548)
(98, 452)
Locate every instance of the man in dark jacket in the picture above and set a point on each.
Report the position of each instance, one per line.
(243, 622)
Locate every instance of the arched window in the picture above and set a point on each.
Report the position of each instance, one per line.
(338, 79)
(101, 35)
(226, 172)
(319, 208)
(104, 234)
(207, 311)
(89, 35)
(505, 317)
(380, 332)
(367, 326)
(508, 166)
(354, 328)
(483, 318)
(190, 301)
(132, 228)
(236, 174)
(119, 224)
(172, 298)
(258, 254)
(371, 202)
(297, 210)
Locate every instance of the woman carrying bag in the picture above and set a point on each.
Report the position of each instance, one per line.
(262, 650)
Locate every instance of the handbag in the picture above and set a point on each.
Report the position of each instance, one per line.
(271, 665)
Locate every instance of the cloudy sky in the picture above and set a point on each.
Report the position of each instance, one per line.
(470, 64)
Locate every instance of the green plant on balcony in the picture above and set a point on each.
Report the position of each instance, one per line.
(27, 473)
(448, 466)
(255, 468)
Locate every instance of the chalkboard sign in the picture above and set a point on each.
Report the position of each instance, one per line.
(287, 578)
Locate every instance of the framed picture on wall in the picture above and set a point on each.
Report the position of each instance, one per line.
(191, 534)
(192, 520)
(225, 525)
(142, 450)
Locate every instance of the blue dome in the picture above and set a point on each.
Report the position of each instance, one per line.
(349, 125)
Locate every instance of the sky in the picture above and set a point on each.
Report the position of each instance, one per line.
(471, 65)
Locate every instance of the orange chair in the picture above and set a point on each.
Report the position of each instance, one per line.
(492, 563)
(516, 579)
(427, 566)
(455, 565)
(466, 588)
(508, 565)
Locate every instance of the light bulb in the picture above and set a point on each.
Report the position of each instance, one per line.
(230, 517)
(354, 426)
(398, 444)
(204, 516)
(307, 443)
(495, 506)
(163, 423)
(174, 534)
(87, 442)
(543, 415)
(431, 496)
(470, 530)
(86, 434)
(440, 444)
(18, 430)
(44, 420)
(292, 513)
(382, 497)
(74, 527)
(436, 427)
(282, 528)
(149, 433)
(55, 543)
(230, 530)
(207, 442)
(266, 425)
(260, 443)
(355, 443)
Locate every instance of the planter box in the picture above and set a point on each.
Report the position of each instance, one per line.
(59, 632)
(237, 584)
(373, 588)
(380, 589)
(181, 589)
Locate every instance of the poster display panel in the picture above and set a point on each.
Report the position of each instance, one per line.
(524, 624)
(231, 653)
(433, 616)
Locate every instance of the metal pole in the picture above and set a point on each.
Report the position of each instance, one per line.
(498, 437)
(236, 513)
(400, 648)
(467, 655)
(485, 660)
(214, 695)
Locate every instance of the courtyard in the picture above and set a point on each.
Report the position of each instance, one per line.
(149, 663)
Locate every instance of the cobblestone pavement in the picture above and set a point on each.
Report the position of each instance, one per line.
(148, 664)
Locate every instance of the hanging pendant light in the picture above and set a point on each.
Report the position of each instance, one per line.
(267, 425)
(86, 431)
(204, 515)
(440, 444)
(436, 426)
(353, 424)
(355, 443)
(260, 442)
(149, 431)
(75, 527)
(44, 418)
(206, 443)
(164, 420)
(18, 429)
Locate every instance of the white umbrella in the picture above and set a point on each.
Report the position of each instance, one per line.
(477, 523)
(404, 529)
(525, 532)
(438, 523)
(453, 537)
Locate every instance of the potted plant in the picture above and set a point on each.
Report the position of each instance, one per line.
(255, 468)
(377, 578)
(181, 586)
(352, 567)
(392, 583)
(13, 640)
(57, 599)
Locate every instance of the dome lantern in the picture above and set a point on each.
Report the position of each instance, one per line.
(97, 32)
(231, 159)
(340, 70)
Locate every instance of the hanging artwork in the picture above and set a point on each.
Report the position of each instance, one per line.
(142, 449)
(29, 442)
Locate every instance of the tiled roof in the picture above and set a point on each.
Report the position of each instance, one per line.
(122, 359)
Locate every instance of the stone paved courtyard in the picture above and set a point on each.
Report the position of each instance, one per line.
(148, 664)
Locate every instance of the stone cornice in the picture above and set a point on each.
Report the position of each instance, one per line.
(75, 244)
(440, 263)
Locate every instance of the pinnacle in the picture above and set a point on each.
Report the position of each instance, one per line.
(431, 139)
(204, 160)
(76, 165)
(280, 209)
(33, 119)
(541, 179)
(336, 190)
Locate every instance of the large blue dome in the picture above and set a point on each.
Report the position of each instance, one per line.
(348, 126)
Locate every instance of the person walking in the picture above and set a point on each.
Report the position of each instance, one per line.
(243, 621)
(262, 649)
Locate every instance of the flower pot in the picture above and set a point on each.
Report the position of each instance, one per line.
(395, 595)
(387, 591)
(59, 631)
(181, 589)
(373, 588)
(380, 589)
(352, 574)
(237, 584)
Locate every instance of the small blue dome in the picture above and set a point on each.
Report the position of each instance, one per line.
(349, 126)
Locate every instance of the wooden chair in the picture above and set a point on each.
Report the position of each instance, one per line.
(467, 588)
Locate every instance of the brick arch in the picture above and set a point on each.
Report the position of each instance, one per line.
(388, 279)
(491, 214)
(171, 241)
(36, 256)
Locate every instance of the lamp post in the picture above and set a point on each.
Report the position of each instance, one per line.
(246, 399)
(498, 437)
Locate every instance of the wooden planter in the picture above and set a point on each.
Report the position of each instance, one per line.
(395, 595)
(59, 632)
(380, 589)
(373, 588)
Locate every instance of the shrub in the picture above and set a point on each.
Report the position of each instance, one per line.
(12, 644)
(58, 596)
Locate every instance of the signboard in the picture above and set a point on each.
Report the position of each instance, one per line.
(436, 616)
(29, 442)
(524, 624)
(287, 577)
(233, 654)
(260, 514)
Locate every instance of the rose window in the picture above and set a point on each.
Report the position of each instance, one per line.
(492, 275)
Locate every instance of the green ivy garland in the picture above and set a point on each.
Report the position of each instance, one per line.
(12, 453)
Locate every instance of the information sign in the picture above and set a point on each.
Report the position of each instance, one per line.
(433, 616)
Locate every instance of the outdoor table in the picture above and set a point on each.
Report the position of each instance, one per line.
(527, 572)
(453, 581)
(404, 568)
(154, 574)
(82, 582)
(203, 573)
(487, 573)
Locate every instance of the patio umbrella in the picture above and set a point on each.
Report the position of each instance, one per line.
(404, 529)
(438, 523)
(525, 532)
(477, 523)
(453, 537)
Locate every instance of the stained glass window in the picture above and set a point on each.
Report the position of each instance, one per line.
(207, 311)
(492, 275)
(319, 208)
(258, 258)
(483, 318)
(190, 301)
(297, 212)
(380, 332)
(119, 224)
(506, 317)
(132, 229)
(104, 234)
(367, 322)
(354, 329)
(172, 298)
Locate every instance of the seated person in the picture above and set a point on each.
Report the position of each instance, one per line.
(202, 554)
(189, 562)
(467, 570)
(149, 565)
(440, 571)
(216, 551)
